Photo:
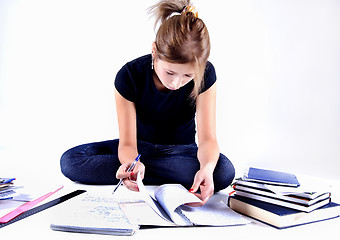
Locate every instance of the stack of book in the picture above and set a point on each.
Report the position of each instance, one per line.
(6, 188)
(278, 199)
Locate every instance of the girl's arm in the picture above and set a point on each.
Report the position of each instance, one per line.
(208, 150)
(127, 148)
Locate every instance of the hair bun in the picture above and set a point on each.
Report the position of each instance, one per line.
(190, 9)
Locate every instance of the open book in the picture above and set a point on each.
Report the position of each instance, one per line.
(168, 208)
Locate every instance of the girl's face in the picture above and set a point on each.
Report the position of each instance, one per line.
(174, 75)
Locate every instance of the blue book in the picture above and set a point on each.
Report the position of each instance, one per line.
(281, 217)
(271, 177)
(6, 180)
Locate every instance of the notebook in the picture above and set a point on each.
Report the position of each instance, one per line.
(92, 213)
(271, 177)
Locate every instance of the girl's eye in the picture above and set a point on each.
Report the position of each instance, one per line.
(188, 76)
(170, 73)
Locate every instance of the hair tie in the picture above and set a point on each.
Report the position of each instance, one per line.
(191, 9)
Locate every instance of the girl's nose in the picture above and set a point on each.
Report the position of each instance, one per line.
(177, 83)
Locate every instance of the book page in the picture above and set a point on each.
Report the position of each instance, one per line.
(171, 196)
(152, 203)
(213, 214)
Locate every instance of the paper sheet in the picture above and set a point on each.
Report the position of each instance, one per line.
(92, 211)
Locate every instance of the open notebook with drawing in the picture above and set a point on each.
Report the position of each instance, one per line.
(92, 213)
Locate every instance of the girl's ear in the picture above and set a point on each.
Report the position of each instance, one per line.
(153, 50)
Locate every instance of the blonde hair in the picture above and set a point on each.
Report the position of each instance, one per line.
(182, 37)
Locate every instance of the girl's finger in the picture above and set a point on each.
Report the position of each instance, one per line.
(131, 185)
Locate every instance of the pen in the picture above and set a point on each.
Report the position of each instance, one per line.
(129, 170)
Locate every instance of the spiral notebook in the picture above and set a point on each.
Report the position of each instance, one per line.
(92, 213)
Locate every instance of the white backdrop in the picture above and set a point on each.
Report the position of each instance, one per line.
(278, 67)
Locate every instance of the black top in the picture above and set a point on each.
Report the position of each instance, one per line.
(162, 117)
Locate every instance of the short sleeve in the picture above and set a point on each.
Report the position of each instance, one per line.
(209, 77)
(125, 85)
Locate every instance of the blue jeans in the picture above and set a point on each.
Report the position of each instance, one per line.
(97, 163)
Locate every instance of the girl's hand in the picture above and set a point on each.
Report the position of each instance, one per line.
(204, 181)
(130, 177)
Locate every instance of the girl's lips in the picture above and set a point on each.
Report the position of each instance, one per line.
(171, 88)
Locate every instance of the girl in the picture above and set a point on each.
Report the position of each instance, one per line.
(157, 97)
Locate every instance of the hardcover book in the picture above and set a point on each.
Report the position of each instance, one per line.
(281, 217)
